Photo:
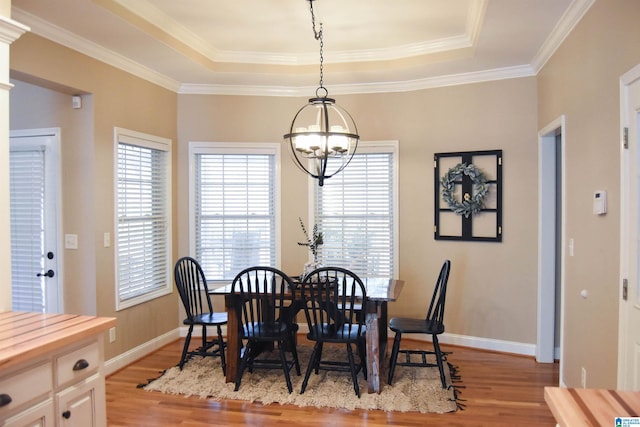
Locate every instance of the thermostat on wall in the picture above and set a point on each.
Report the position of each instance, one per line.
(600, 202)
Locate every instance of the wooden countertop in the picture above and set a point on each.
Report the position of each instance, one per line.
(24, 336)
(591, 407)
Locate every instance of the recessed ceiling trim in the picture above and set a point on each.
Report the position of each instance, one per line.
(146, 11)
(362, 88)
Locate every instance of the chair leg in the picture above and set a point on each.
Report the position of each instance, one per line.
(354, 373)
(243, 364)
(285, 365)
(313, 361)
(187, 341)
(394, 356)
(362, 349)
(294, 354)
(436, 347)
(319, 358)
(221, 345)
(203, 349)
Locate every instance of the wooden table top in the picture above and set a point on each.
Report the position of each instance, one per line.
(24, 335)
(378, 289)
(591, 407)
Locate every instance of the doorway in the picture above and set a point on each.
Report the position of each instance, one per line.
(551, 184)
(629, 311)
(34, 182)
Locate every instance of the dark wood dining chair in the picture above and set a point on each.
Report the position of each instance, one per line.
(432, 324)
(263, 297)
(194, 293)
(332, 298)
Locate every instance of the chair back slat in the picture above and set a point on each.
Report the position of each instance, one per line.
(192, 286)
(261, 294)
(332, 298)
(436, 307)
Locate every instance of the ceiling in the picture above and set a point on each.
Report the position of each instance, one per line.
(267, 47)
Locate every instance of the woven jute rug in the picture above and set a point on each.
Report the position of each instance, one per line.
(413, 389)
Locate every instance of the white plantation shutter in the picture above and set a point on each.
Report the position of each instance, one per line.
(143, 219)
(27, 195)
(234, 210)
(355, 211)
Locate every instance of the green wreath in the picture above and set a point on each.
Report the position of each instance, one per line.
(469, 205)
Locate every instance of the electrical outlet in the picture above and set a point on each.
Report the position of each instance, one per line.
(112, 334)
(583, 377)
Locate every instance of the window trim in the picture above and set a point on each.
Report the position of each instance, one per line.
(156, 143)
(384, 146)
(208, 147)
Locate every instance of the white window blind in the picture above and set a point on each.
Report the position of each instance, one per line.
(234, 210)
(143, 219)
(27, 196)
(355, 212)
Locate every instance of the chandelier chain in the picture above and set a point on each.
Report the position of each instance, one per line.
(318, 36)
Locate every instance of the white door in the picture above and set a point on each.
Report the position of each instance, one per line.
(34, 167)
(629, 326)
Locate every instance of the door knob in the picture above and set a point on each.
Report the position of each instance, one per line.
(49, 273)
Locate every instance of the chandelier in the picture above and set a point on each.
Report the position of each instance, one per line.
(323, 136)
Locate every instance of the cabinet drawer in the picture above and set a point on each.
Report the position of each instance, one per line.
(77, 364)
(25, 386)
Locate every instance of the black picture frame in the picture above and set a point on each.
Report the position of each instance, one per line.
(485, 226)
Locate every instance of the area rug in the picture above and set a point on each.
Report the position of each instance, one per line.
(413, 389)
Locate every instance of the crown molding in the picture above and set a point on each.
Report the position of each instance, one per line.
(11, 30)
(72, 41)
(61, 36)
(566, 24)
(362, 88)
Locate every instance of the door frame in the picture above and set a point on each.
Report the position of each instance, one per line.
(547, 239)
(627, 201)
(52, 157)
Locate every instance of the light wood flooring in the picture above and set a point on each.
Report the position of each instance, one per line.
(499, 390)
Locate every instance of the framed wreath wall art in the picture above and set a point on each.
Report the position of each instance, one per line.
(468, 196)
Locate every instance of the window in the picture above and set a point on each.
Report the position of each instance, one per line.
(143, 211)
(356, 212)
(233, 207)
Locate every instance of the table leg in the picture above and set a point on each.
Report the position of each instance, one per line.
(234, 344)
(373, 347)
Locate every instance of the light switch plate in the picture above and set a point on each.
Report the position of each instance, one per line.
(71, 241)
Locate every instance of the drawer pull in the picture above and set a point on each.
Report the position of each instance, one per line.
(5, 399)
(66, 415)
(80, 365)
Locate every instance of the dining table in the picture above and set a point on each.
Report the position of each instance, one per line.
(379, 292)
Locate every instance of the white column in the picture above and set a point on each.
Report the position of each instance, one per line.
(9, 32)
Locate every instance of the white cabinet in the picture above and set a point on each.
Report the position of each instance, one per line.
(40, 415)
(63, 388)
(80, 406)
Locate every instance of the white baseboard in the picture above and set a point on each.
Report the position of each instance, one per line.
(478, 342)
(120, 361)
(454, 339)
(489, 344)
(124, 359)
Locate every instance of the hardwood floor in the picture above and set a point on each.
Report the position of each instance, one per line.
(499, 390)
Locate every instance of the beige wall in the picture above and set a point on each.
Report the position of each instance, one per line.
(581, 81)
(114, 98)
(492, 285)
(33, 107)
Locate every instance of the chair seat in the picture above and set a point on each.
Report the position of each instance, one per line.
(407, 325)
(329, 333)
(207, 319)
(269, 331)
